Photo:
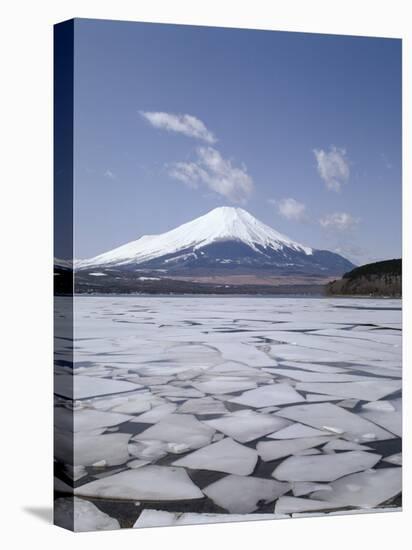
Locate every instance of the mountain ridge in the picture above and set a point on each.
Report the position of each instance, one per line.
(226, 239)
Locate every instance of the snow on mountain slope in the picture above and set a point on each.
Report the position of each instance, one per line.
(219, 225)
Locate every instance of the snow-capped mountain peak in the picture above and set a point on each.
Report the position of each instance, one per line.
(220, 225)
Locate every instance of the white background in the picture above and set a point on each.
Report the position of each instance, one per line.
(26, 260)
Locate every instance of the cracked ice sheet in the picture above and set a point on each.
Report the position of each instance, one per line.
(272, 450)
(146, 483)
(161, 518)
(180, 429)
(240, 494)
(324, 467)
(246, 425)
(224, 456)
(370, 390)
(266, 396)
(83, 387)
(364, 490)
(327, 416)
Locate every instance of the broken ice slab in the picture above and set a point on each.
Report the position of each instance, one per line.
(161, 518)
(223, 384)
(295, 431)
(80, 515)
(314, 367)
(155, 414)
(148, 450)
(342, 445)
(317, 398)
(300, 488)
(138, 404)
(82, 387)
(146, 483)
(224, 456)
(324, 467)
(86, 419)
(241, 495)
(394, 459)
(247, 425)
(203, 406)
(327, 416)
(86, 450)
(389, 420)
(175, 391)
(370, 390)
(244, 353)
(181, 429)
(272, 450)
(305, 376)
(291, 505)
(364, 490)
(308, 452)
(266, 396)
(384, 406)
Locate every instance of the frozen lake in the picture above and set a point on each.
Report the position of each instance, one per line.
(205, 409)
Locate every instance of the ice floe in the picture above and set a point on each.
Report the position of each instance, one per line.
(291, 505)
(324, 467)
(80, 515)
(327, 416)
(146, 483)
(247, 425)
(83, 387)
(365, 489)
(179, 429)
(295, 431)
(370, 390)
(272, 450)
(161, 518)
(266, 396)
(224, 456)
(240, 494)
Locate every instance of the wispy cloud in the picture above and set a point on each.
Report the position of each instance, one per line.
(290, 208)
(333, 167)
(216, 173)
(109, 175)
(339, 221)
(182, 124)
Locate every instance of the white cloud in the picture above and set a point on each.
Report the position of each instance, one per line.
(109, 175)
(333, 167)
(182, 124)
(290, 209)
(217, 173)
(340, 221)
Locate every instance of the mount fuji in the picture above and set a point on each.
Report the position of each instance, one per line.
(225, 241)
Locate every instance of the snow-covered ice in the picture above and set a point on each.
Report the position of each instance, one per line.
(174, 393)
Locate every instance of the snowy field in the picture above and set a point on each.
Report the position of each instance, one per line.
(205, 409)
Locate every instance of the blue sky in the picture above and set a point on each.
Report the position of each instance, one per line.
(301, 130)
